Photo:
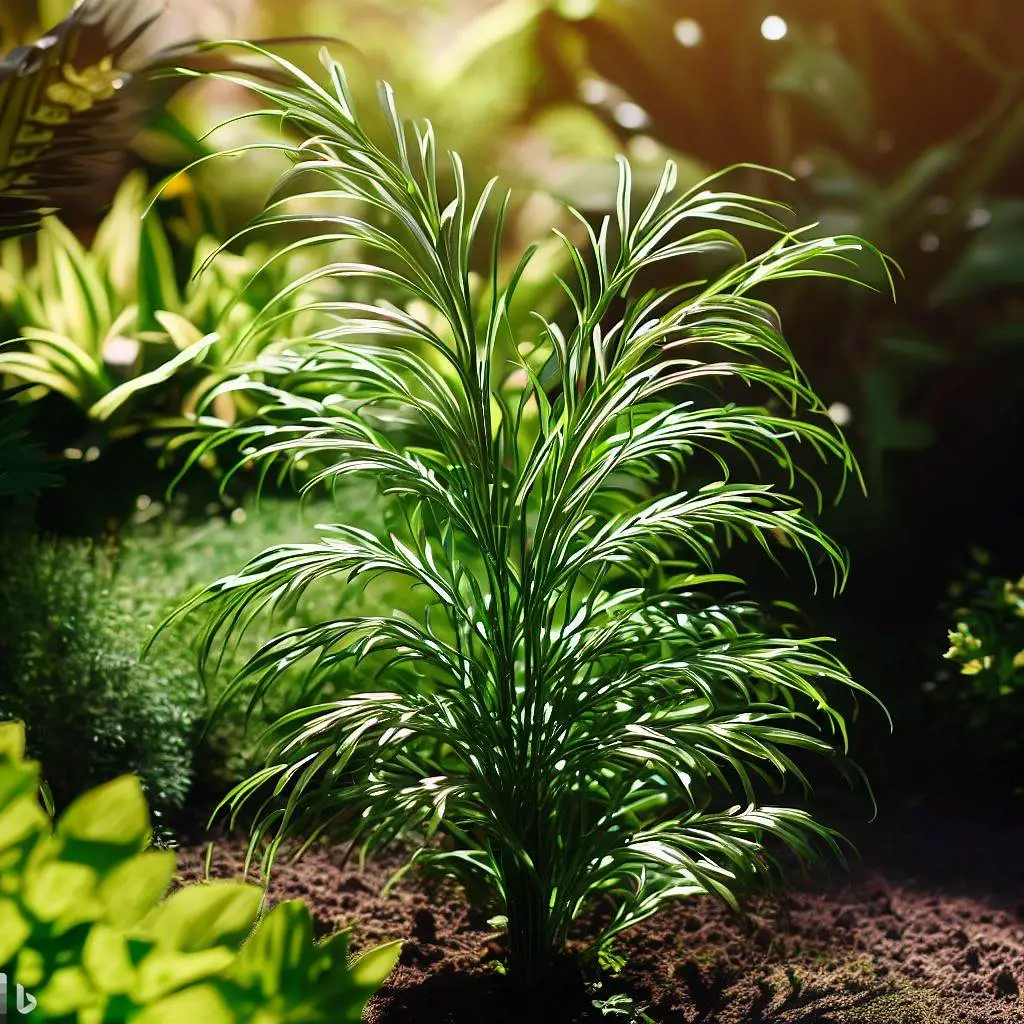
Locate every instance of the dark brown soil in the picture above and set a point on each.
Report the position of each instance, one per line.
(928, 928)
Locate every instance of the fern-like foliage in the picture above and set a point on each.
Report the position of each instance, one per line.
(576, 707)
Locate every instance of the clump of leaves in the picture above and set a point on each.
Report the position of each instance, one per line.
(987, 645)
(575, 709)
(87, 931)
(110, 325)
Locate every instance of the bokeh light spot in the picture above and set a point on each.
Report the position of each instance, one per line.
(774, 28)
(688, 32)
(644, 149)
(576, 10)
(594, 90)
(631, 115)
(840, 414)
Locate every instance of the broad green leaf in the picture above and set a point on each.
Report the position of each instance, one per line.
(113, 814)
(199, 917)
(116, 247)
(115, 399)
(166, 970)
(14, 929)
(107, 961)
(56, 887)
(203, 1003)
(134, 888)
(182, 332)
(12, 741)
(31, 966)
(371, 969)
(20, 813)
(68, 991)
(278, 956)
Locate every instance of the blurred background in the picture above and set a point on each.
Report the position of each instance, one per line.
(900, 120)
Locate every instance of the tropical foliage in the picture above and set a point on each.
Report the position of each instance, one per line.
(111, 329)
(987, 647)
(88, 935)
(575, 707)
(67, 103)
(75, 615)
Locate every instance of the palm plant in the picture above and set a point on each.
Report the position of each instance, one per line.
(575, 707)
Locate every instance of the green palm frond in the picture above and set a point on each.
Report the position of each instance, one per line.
(577, 706)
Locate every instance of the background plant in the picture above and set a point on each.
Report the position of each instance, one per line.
(74, 617)
(938, 193)
(70, 663)
(81, 81)
(573, 710)
(987, 651)
(118, 341)
(87, 932)
(101, 326)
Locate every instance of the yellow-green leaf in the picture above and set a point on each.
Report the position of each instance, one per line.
(115, 813)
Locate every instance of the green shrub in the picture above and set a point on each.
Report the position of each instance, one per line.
(987, 645)
(85, 931)
(575, 708)
(73, 623)
(70, 668)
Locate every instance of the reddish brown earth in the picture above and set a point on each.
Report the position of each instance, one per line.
(928, 928)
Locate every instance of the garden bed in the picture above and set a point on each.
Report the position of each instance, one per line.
(927, 927)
